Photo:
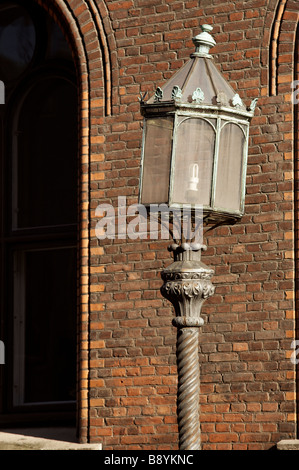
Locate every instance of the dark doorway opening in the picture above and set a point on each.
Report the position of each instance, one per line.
(38, 213)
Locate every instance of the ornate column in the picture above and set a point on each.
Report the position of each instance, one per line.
(186, 285)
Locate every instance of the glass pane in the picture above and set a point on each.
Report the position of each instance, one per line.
(156, 166)
(230, 167)
(58, 47)
(50, 325)
(194, 155)
(17, 41)
(44, 156)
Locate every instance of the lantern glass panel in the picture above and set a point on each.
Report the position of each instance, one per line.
(230, 168)
(156, 164)
(194, 155)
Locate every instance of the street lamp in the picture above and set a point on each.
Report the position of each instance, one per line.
(194, 152)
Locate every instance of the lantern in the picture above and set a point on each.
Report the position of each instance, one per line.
(195, 140)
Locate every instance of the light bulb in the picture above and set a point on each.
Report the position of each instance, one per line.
(193, 177)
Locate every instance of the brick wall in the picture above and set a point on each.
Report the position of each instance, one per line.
(127, 344)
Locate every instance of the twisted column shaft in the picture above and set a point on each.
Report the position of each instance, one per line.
(188, 389)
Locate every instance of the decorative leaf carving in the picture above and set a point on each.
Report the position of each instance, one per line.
(253, 105)
(142, 97)
(236, 101)
(222, 99)
(198, 96)
(191, 289)
(176, 93)
(158, 94)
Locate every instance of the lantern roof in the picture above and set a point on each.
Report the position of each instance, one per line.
(199, 83)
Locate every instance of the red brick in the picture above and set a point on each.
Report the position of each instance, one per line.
(247, 332)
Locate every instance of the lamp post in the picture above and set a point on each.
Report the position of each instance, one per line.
(194, 152)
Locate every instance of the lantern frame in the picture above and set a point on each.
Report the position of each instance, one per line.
(223, 112)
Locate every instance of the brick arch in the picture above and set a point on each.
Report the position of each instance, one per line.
(107, 44)
(279, 30)
(86, 25)
(66, 19)
(89, 32)
(273, 46)
(285, 56)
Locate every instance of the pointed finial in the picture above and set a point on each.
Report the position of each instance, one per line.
(203, 42)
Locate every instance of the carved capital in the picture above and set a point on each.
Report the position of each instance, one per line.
(187, 284)
(187, 288)
(187, 296)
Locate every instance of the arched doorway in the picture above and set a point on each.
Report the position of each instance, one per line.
(38, 210)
